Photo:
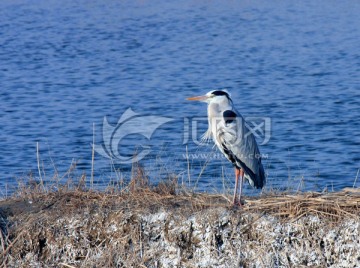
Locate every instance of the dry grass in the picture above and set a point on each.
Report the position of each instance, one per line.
(332, 206)
(77, 227)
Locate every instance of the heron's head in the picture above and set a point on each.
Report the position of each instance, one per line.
(213, 96)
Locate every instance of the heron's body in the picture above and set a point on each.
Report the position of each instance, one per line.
(228, 130)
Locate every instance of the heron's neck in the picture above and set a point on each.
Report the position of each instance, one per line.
(215, 112)
(217, 108)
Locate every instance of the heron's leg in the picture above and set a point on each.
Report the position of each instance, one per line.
(237, 173)
(241, 173)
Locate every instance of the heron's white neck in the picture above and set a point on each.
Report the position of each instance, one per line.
(215, 112)
(216, 108)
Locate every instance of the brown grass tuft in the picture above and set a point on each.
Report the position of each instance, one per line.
(332, 206)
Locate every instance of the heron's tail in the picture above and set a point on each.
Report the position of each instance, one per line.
(256, 180)
(261, 179)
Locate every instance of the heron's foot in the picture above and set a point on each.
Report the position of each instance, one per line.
(238, 203)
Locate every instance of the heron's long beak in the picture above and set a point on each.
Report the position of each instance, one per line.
(198, 98)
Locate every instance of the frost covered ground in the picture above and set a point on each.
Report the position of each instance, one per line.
(155, 228)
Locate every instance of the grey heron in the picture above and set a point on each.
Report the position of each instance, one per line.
(227, 128)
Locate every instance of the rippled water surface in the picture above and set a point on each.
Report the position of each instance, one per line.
(66, 65)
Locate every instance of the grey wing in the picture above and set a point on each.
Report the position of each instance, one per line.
(240, 147)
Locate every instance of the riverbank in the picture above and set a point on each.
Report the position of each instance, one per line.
(163, 226)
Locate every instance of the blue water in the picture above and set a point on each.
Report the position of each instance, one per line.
(64, 65)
